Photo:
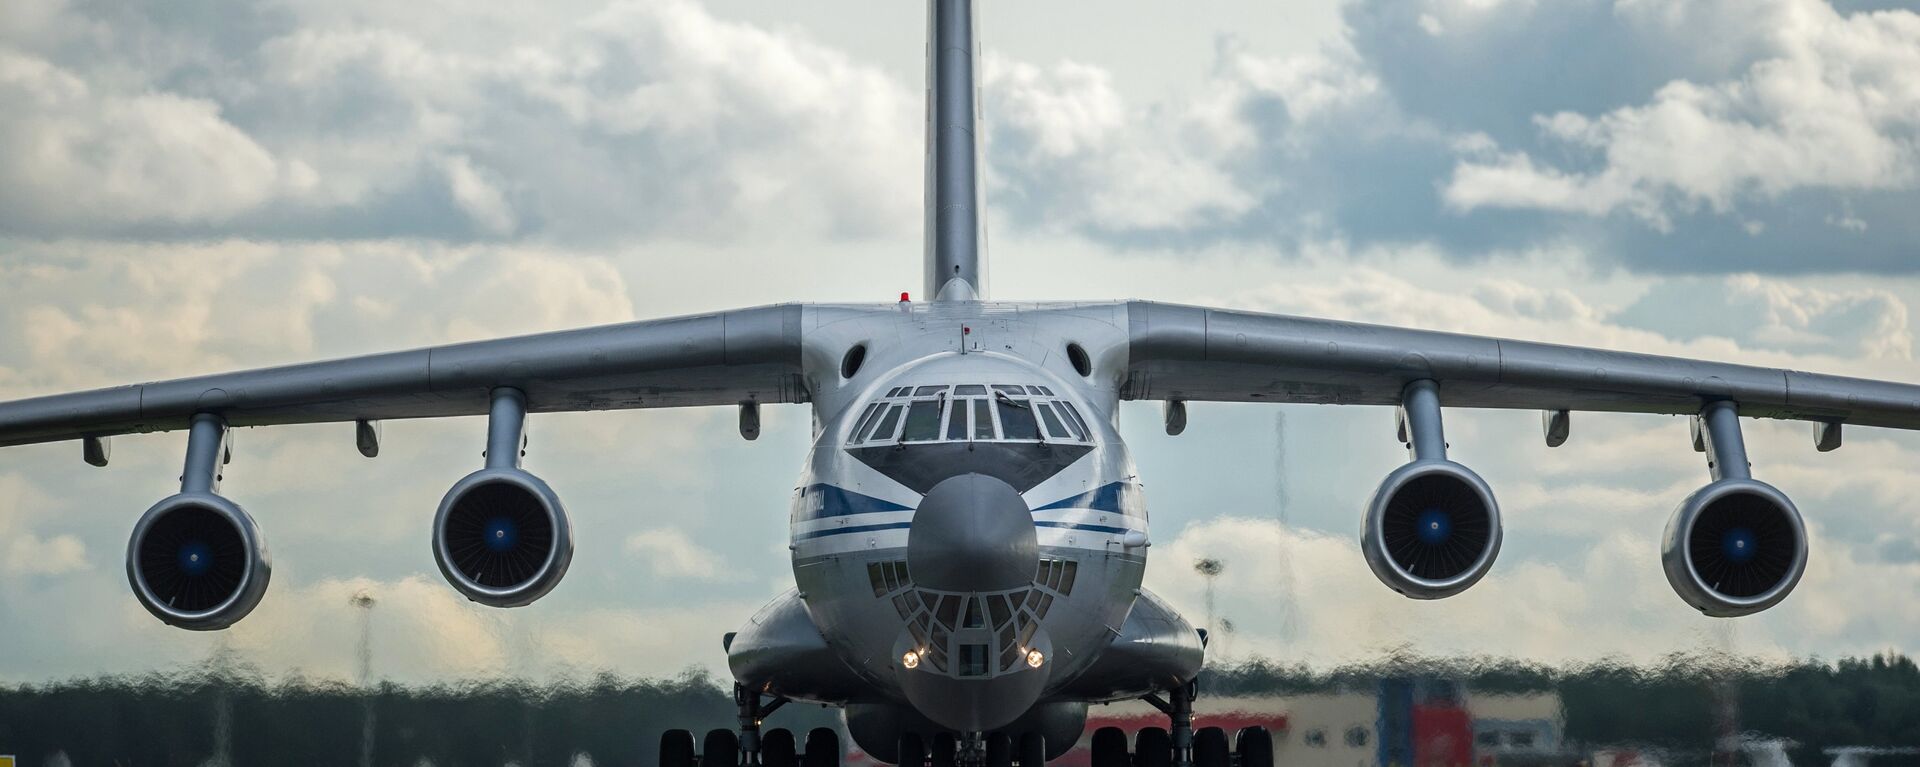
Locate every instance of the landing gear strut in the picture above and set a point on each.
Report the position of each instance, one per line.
(753, 711)
(1178, 706)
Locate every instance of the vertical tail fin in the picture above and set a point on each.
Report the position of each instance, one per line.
(956, 234)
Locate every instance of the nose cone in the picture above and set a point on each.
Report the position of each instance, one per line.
(972, 533)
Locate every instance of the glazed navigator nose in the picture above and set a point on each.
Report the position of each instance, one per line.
(972, 533)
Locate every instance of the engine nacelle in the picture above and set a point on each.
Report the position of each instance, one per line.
(502, 538)
(197, 561)
(1432, 529)
(1735, 547)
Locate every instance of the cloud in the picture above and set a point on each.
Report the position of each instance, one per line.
(75, 158)
(650, 117)
(671, 553)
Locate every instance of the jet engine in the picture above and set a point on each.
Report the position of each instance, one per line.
(501, 536)
(1736, 546)
(196, 560)
(1433, 528)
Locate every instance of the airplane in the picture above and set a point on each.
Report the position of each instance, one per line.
(969, 533)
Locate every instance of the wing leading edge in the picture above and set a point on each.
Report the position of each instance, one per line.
(1189, 353)
(748, 355)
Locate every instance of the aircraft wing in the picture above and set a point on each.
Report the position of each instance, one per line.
(1189, 353)
(749, 355)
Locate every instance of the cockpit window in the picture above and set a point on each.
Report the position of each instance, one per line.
(884, 430)
(1016, 419)
(923, 421)
(982, 419)
(866, 420)
(1055, 429)
(970, 412)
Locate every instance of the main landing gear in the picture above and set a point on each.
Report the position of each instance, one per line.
(1180, 745)
(749, 747)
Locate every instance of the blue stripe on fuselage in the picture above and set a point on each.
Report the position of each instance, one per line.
(1107, 498)
(824, 501)
(851, 530)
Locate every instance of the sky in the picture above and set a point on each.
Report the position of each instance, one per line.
(194, 186)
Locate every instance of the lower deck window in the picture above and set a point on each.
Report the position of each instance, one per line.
(973, 660)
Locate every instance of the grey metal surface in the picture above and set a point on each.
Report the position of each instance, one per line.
(1200, 354)
(713, 359)
(955, 232)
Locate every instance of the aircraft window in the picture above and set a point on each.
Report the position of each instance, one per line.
(928, 391)
(1520, 739)
(938, 649)
(1026, 634)
(1046, 602)
(1079, 433)
(973, 660)
(1315, 738)
(997, 606)
(1488, 738)
(878, 578)
(919, 634)
(1033, 599)
(957, 421)
(1008, 656)
(974, 619)
(1053, 575)
(884, 429)
(1009, 389)
(1055, 429)
(949, 611)
(1017, 598)
(923, 422)
(1357, 736)
(1016, 420)
(895, 391)
(982, 420)
(965, 389)
(1068, 571)
(866, 419)
(1041, 390)
(904, 607)
(1074, 413)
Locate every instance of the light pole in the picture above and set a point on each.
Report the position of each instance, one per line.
(363, 600)
(1210, 569)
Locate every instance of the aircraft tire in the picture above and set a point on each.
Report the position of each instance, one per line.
(1032, 749)
(1110, 748)
(999, 750)
(913, 750)
(823, 748)
(1255, 747)
(777, 750)
(1210, 748)
(676, 749)
(945, 750)
(1152, 747)
(721, 748)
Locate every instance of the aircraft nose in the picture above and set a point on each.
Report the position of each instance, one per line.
(972, 533)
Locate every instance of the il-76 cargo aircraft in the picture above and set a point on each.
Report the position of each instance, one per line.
(968, 531)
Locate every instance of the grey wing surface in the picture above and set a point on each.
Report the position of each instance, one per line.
(1188, 353)
(748, 355)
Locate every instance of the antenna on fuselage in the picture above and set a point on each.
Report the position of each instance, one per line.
(955, 229)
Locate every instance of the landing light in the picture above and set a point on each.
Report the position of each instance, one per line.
(1035, 658)
(911, 660)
